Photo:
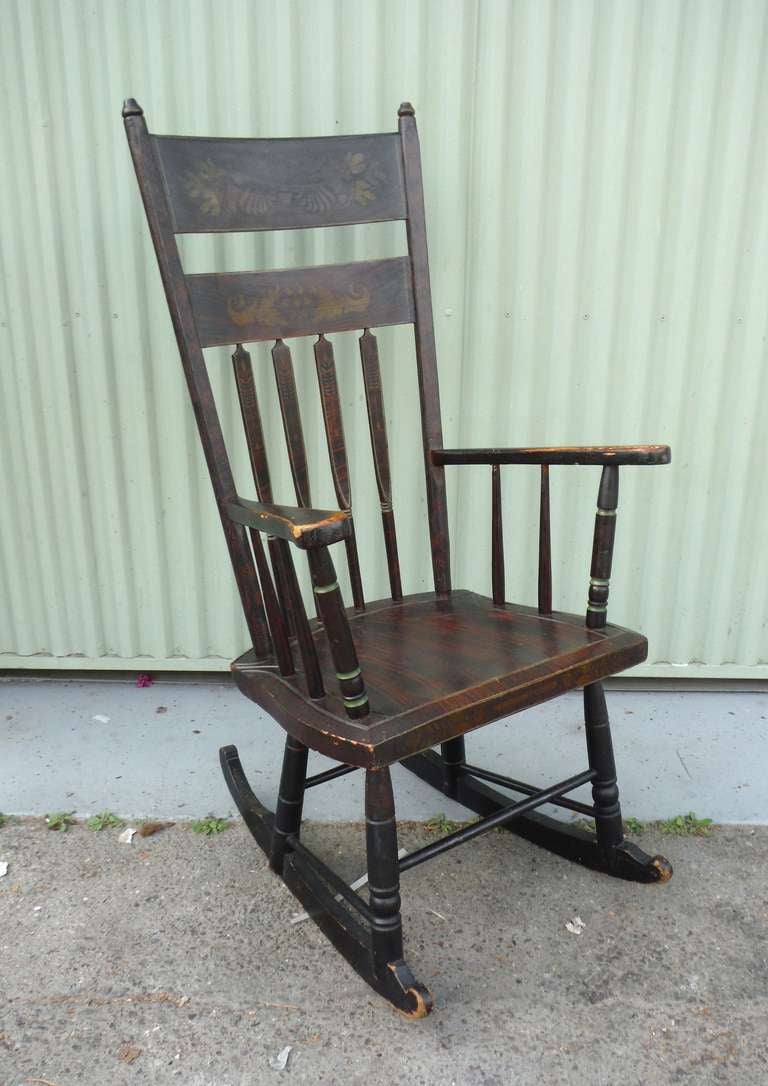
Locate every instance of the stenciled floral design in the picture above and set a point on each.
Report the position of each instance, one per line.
(220, 193)
(279, 305)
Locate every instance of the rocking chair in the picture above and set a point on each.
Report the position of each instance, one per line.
(382, 681)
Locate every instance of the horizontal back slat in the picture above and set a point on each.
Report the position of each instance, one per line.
(218, 185)
(244, 307)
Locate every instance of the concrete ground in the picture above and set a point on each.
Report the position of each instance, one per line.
(173, 960)
(153, 752)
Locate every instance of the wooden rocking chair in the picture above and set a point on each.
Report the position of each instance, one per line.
(383, 681)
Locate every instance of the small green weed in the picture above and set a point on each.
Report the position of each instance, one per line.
(440, 824)
(210, 825)
(103, 820)
(3, 819)
(585, 824)
(686, 825)
(60, 820)
(631, 825)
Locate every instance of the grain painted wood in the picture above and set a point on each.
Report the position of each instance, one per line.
(246, 307)
(291, 415)
(216, 185)
(198, 383)
(325, 366)
(426, 355)
(275, 616)
(342, 647)
(497, 538)
(602, 548)
(545, 546)
(567, 454)
(377, 425)
(435, 665)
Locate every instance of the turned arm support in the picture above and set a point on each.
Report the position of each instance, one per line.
(307, 528)
(610, 457)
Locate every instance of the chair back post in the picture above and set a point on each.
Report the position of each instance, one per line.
(200, 391)
(426, 356)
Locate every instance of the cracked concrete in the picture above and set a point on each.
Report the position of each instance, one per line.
(173, 960)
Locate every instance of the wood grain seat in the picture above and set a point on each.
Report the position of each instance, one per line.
(435, 668)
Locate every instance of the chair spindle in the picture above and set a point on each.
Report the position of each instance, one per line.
(545, 546)
(275, 616)
(497, 538)
(337, 454)
(377, 424)
(257, 452)
(602, 548)
(289, 409)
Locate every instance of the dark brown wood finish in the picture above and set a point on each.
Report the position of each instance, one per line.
(275, 614)
(426, 354)
(251, 415)
(377, 424)
(234, 307)
(382, 682)
(257, 452)
(195, 372)
(497, 538)
(545, 546)
(337, 454)
(602, 548)
(437, 667)
(566, 454)
(216, 185)
(291, 414)
(339, 638)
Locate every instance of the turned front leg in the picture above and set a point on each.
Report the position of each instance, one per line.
(383, 867)
(336, 623)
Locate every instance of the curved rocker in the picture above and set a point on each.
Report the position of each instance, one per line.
(368, 936)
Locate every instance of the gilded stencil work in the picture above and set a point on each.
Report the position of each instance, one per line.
(217, 192)
(280, 304)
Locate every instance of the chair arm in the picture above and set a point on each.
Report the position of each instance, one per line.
(568, 454)
(307, 528)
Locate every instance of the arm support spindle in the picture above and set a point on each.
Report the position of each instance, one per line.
(602, 548)
(334, 618)
(497, 538)
(545, 547)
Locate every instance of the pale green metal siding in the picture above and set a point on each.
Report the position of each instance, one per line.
(597, 194)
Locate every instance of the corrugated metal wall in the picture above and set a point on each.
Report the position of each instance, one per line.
(597, 193)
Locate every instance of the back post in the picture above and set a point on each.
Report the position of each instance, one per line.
(195, 370)
(426, 355)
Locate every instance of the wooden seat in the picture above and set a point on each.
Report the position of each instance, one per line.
(436, 668)
(382, 682)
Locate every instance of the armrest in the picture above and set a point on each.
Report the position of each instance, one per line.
(306, 528)
(567, 454)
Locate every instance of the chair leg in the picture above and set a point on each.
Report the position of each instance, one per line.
(454, 755)
(384, 893)
(606, 850)
(605, 792)
(290, 801)
(370, 937)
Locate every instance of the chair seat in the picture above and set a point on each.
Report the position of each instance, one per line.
(435, 668)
